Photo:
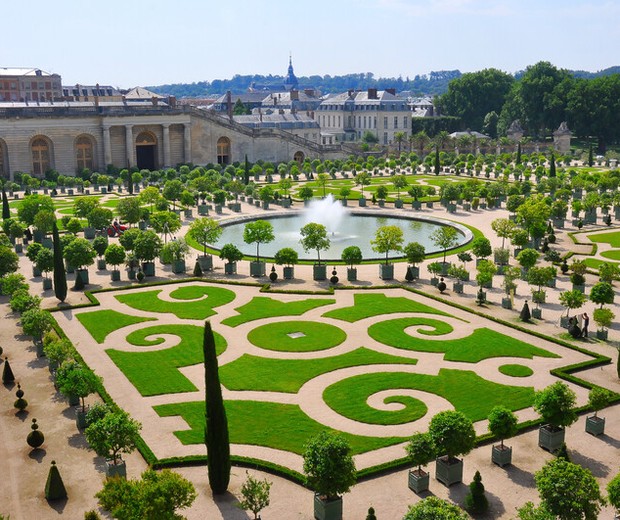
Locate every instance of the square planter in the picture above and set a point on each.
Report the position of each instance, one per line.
(361, 202)
(434, 281)
(418, 481)
(581, 288)
(288, 273)
(549, 439)
(115, 470)
(36, 272)
(319, 272)
(501, 456)
(601, 334)
(131, 274)
(265, 205)
(178, 266)
(142, 225)
(449, 472)
(386, 271)
(83, 274)
(74, 400)
(203, 210)
(327, 509)
(230, 268)
(205, 262)
(187, 213)
(351, 274)
(89, 232)
(398, 203)
(148, 268)
(537, 313)
(101, 264)
(595, 425)
(564, 322)
(457, 287)
(429, 205)
(47, 284)
(80, 418)
(257, 269)
(381, 203)
(115, 276)
(507, 303)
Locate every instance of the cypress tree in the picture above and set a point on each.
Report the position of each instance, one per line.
(552, 166)
(518, 161)
(436, 160)
(525, 315)
(590, 157)
(216, 429)
(476, 501)
(246, 171)
(6, 212)
(60, 276)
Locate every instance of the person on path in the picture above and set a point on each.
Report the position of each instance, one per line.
(584, 328)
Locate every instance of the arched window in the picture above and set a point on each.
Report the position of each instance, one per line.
(299, 157)
(84, 153)
(146, 139)
(223, 150)
(40, 156)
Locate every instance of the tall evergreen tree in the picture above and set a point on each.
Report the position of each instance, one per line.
(590, 157)
(216, 429)
(437, 160)
(246, 171)
(518, 161)
(6, 212)
(552, 166)
(60, 276)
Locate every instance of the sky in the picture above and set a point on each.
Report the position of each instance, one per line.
(126, 43)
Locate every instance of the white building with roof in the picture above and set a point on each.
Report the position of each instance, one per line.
(29, 84)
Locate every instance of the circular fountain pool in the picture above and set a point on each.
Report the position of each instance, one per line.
(345, 228)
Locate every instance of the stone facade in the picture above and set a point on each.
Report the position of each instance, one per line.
(69, 136)
(561, 138)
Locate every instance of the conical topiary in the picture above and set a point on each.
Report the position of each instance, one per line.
(476, 501)
(525, 315)
(35, 438)
(409, 275)
(20, 403)
(371, 514)
(7, 373)
(54, 487)
(197, 270)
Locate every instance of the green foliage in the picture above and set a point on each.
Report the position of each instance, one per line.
(502, 423)
(314, 237)
(216, 429)
(157, 495)
(75, 379)
(435, 508)
(371, 514)
(36, 322)
(556, 404)
(481, 247)
(562, 452)
(205, 231)
(258, 232)
(100, 218)
(147, 246)
(231, 253)
(32, 205)
(12, 282)
(115, 433)
(599, 398)
(103, 322)
(572, 300)
(45, 260)
(351, 255)
(515, 370)
(603, 317)
(530, 512)
(453, 433)
(613, 492)
(255, 494)
(54, 486)
(129, 209)
(444, 237)
(387, 238)
(57, 350)
(602, 293)
(9, 261)
(100, 243)
(22, 300)
(114, 255)
(476, 501)
(165, 222)
(128, 238)
(79, 253)
(421, 449)
(328, 465)
(528, 258)
(568, 490)
(414, 252)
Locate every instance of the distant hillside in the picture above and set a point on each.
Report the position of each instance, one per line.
(430, 84)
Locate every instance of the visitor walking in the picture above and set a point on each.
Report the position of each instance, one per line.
(584, 328)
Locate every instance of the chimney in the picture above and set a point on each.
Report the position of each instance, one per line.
(309, 92)
(260, 115)
(97, 95)
(172, 101)
(391, 91)
(229, 107)
(294, 95)
(350, 92)
(124, 99)
(154, 100)
(372, 93)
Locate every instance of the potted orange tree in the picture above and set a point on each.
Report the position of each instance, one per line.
(420, 450)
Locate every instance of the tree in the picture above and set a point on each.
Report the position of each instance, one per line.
(216, 426)
(205, 231)
(613, 492)
(351, 255)
(528, 258)
(502, 423)
(129, 210)
(172, 191)
(504, 228)
(362, 179)
(568, 491)
(481, 247)
(165, 222)
(6, 210)
(421, 450)
(453, 433)
(530, 512)
(74, 379)
(115, 433)
(572, 300)
(36, 322)
(387, 238)
(437, 163)
(259, 232)
(382, 192)
(157, 495)
(147, 246)
(44, 220)
(314, 237)
(240, 109)
(79, 253)
(556, 405)
(305, 193)
(328, 465)
(231, 253)
(609, 272)
(9, 261)
(255, 494)
(434, 508)
(32, 205)
(60, 275)
(602, 293)
(599, 398)
(399, 182)
(476, 501)
(399, 137)
(321, 180)
(115, 255)
(414, 252)
(286, 256)
(444, 237)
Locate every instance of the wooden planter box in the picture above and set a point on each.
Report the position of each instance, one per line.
(187, 213)
(418, 481)
(205, 262)
(83, 274)
(327, 509)
(386, 271)
(416, 204)
(501, 457)
(148, 268)
(351, 274)
(537, 314)
(288, 273)
(230, 268)
(80, 418)
(600, 334)
(398, 203)
(257, 269)
(115, 470)
(48, 285)
(203, 210)
(595, 425)
(457, 287)
(449, 472)
(319, 272)
(115, 276)
(506, 303)
(178, 266)
(89, 232)
(434, 281)
(101, 264)
(361, 202)
(550, 440)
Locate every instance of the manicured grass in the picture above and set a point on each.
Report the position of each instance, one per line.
(612, 254)
(261, 307)
(155, 372)
(466, 390)
(289, 375)
(317, 336)
(612, 238)
(199, 309)
(594, 263)
(274, 425)
(481, 344)
(516, 370)
(367, 305)
(101, 323)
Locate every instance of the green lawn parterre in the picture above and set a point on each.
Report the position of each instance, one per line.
(155, 371)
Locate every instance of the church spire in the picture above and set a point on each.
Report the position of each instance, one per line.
(291, 81)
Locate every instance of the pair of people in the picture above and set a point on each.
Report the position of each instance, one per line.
(583, 330)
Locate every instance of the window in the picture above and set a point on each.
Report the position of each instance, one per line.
(395, 121)
(84, 153)
(223, 150)
(405, 122)
(385, 138)
(374, 122)
(40, 156)
(385, 119)
(2, 169)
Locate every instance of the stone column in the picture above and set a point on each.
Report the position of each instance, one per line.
(187, 141)
(129, 146)
(166, 128)
(107, 147)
